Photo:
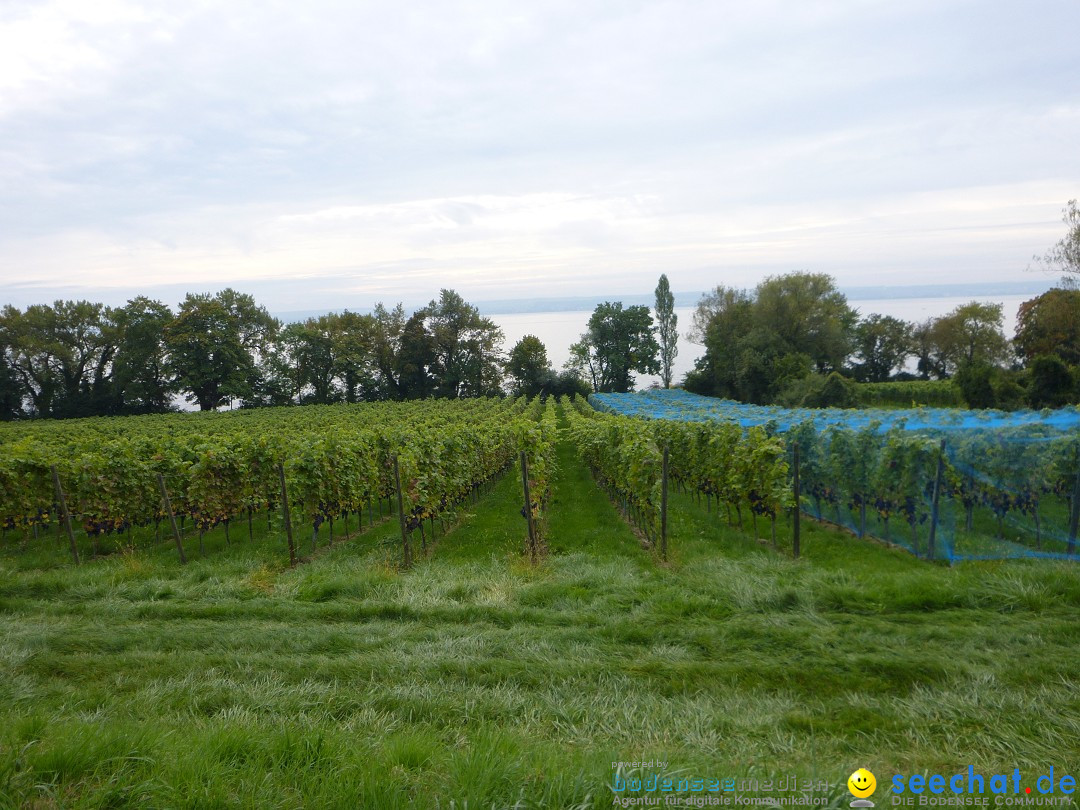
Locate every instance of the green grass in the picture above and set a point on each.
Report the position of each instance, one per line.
(476, 680)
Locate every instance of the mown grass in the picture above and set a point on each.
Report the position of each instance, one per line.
(476, 680)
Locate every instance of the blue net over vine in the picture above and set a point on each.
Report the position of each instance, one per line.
(1009, 483)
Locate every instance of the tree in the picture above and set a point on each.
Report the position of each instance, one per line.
(726, 315)
(810, 315)
(757, 345)
(11, 394)
(617, 343)
(140, 371)
(1051, 382)
(311, 349)
(717, 301)
(1065, 255)
(466, 348)
(528, 367)
(975, 379)
(925, 346)
(414, 359)
(1050, 324)
(666, 327)
(62, 356)
(354, 359)
(388, 327)
(217, 346)
(882, 345)
(971, 334)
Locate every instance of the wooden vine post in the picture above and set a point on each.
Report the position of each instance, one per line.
(288, 517)
(528, 506)
(936, 500)
(65, 514)
(663, 505)
(406, 551)
(172, 518)
(797, 511)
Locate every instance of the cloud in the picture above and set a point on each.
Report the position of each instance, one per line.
(560, 147)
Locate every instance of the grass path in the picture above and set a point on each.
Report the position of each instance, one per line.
(476, 677)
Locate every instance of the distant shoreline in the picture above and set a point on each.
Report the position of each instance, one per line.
(689, 299)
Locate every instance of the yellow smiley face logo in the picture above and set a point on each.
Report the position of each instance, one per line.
(862, 783)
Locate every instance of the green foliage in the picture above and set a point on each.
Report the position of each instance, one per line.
(215, 345)
(1050, 324)
(336, 459)
(141, 377)
(910, 394)
(625, 459)
(528, 366)
(61, 356)
(617, 343)
(882, 345)
(1052, 384)
(666, 328)
(971, 335)
(836, 392)
(975, 381)
(758, 345)
(465, 348)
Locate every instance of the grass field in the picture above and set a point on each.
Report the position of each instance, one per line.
(475, 680)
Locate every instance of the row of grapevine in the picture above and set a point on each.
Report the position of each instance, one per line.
(537, 438)
(624, 459)
(1000, 493)
(335, 461)
(737, 467)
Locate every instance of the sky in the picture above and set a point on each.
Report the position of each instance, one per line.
(331, 155)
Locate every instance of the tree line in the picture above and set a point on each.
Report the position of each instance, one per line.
(795, 340)
(78, 358)
(792, 340)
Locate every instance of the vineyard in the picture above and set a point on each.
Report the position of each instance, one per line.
(950, 485)
(490, 601)
(942, 485)
(113, 479)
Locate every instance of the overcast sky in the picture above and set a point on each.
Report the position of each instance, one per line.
(335, 154)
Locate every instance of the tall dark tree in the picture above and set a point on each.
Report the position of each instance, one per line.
(528, 367)
(1050, 324)
(466, 346)
(388, 327)
(140, 370)
(11, 393)
(882, 346)
(62, 356)
(926, 346)
(217, 346)
(311, 347)
(354, 360)
(617, 343)
(723, 316)
(666, 329)
(414, 359)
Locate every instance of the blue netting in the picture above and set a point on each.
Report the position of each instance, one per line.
(678, 404)
(1009, 484)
